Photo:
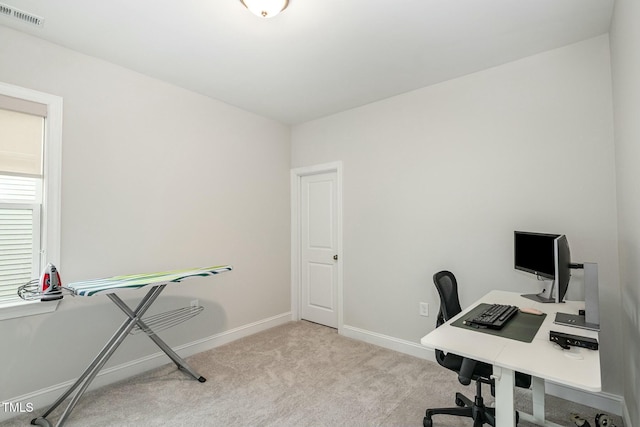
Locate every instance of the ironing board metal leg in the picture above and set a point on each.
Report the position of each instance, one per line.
(130, 323)
(99, 361)
(180, 362)
(87, 371)
(176, 359)
(92, 374)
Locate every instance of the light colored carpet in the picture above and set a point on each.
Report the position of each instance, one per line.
(297, 374)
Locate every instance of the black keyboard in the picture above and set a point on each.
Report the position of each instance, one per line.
(495, 316)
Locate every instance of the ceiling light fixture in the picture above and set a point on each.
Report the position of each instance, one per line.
(265, 8)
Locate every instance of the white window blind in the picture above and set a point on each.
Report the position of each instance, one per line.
(21, 137)
(18, 189)
(21, 165)
(30, 181)
(21, 105)
(19, 246)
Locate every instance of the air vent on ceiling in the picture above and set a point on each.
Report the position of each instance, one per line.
(27, 18)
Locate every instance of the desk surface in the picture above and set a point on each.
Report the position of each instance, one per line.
(578, 367)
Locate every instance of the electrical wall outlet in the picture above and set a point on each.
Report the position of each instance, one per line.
(194, 303)
(424, 309)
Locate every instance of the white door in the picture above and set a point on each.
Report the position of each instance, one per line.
(319, 248)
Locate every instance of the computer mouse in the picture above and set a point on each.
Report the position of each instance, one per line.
(531, 310)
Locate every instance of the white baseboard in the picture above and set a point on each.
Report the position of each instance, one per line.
(402, 346)
(606, 402)
(46, 396)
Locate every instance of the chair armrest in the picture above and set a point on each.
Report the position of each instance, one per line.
(466, 371)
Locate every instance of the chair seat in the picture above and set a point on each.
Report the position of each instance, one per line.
(482, 370)
(454, 362)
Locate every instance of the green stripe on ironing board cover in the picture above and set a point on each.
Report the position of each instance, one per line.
(107, 285)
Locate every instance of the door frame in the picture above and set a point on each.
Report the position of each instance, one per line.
(296, 239)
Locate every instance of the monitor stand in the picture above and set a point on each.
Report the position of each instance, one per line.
(546, 296)
(539, 298)
(591, 318)
(575, 320)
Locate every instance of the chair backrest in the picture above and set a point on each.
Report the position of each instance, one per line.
(447, 287)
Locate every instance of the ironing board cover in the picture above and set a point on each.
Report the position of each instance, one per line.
(107, 285)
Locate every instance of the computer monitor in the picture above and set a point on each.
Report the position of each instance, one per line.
(562, 267)
(547, 256)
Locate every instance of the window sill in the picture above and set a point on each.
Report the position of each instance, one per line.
(12, 310)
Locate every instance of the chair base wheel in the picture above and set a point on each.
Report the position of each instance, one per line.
(427, 422)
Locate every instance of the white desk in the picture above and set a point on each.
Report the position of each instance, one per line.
(543, 360)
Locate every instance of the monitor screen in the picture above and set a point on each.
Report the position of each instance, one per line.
(535, 253)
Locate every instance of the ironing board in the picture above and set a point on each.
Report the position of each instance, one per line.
(109, 287)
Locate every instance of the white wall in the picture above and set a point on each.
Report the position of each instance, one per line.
(154, 178)
(625, 63)
(439, 178)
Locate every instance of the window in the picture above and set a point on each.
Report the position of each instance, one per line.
(30, 158)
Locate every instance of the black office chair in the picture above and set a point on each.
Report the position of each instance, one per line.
(468, 369)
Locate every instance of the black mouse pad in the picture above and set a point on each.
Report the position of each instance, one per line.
(522, 326)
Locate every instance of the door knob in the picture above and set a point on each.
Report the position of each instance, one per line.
(335, 257)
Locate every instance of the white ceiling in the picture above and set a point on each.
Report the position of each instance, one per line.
(319, 56)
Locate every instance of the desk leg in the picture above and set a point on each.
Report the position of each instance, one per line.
(537, 395)
(505, 409)
(538, 399)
